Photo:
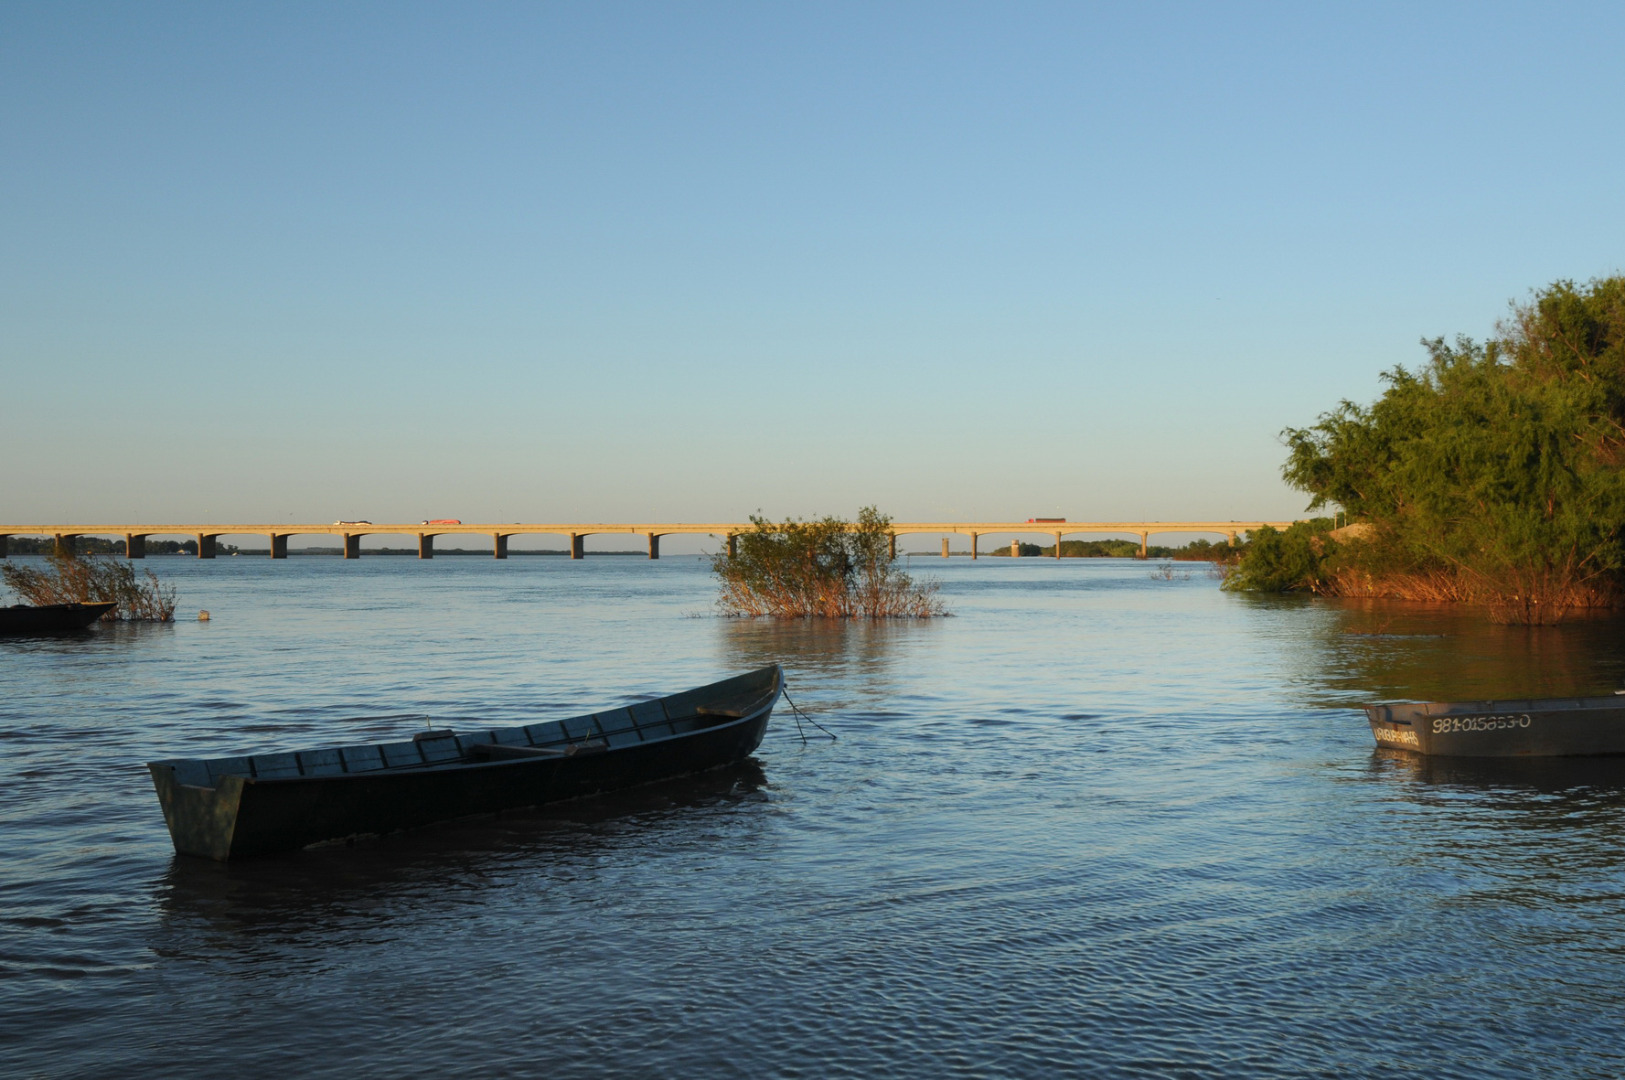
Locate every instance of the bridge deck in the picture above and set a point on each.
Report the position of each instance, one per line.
(493, 528)
(135, 535)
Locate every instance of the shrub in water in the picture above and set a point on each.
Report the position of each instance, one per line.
(826, 567)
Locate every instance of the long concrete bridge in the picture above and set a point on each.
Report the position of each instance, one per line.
(135, 535)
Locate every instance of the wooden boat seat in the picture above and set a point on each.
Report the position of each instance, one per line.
(504, 752)
(718, 710)
(711, 715)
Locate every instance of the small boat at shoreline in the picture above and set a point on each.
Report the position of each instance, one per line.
(50, 618)
(1549, 727)
(225, 808)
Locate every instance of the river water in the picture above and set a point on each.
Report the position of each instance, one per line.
(1104, 822)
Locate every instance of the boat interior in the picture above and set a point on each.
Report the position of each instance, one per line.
(645, 721)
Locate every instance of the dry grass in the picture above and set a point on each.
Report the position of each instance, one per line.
(1528, 597)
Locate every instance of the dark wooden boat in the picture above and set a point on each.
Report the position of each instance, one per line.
(223, 808)
(1552, 727)
(50, 618)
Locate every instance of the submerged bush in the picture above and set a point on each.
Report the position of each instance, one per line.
(91, 579)
(1284, 560)
(827, 567)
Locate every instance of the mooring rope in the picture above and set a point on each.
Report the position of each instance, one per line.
(795, 710)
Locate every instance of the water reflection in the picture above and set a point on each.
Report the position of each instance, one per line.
(830, 648)
(1530, 849)
(1366, 650)
(1088, 827)
(863, 661)
(89, 641)
(1593, 778)
(300, 894)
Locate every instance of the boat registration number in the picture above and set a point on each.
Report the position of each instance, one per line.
(1446, 724)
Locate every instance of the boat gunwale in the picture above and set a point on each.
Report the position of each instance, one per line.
(759, 703)
(1499, 705)
(457, 765)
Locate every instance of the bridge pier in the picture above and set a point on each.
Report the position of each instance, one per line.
(65, 535)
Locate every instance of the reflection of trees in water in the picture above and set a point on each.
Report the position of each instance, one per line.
(860, 656)
(401, 884)
(1371, 650)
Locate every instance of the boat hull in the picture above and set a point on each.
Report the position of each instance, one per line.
(241, 815)
(50, 618)
(1554, 727)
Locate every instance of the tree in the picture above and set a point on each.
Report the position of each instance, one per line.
(1494, 473)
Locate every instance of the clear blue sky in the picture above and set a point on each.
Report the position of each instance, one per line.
(603, 261)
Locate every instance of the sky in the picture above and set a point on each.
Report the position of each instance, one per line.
(688, 262)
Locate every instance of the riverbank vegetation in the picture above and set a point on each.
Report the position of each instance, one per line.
(826, 567)
(100, 545)
(1494, 475)
(1197, 550)
(89, 579)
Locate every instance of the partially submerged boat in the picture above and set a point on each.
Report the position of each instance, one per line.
(50, 618)
(1549, 727)
(224, 808)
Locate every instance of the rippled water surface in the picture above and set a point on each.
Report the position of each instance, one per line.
(1100, 823)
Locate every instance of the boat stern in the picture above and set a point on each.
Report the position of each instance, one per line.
(1391, 730)
(201, 819)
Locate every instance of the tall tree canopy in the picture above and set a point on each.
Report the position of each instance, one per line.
(1494, 473)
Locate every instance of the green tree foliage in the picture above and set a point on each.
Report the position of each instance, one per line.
(1200, 550)
(1492, 474)
(1284, 560)
(1101, 549)
(828, 567)
(97, 545)
(45, 545)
